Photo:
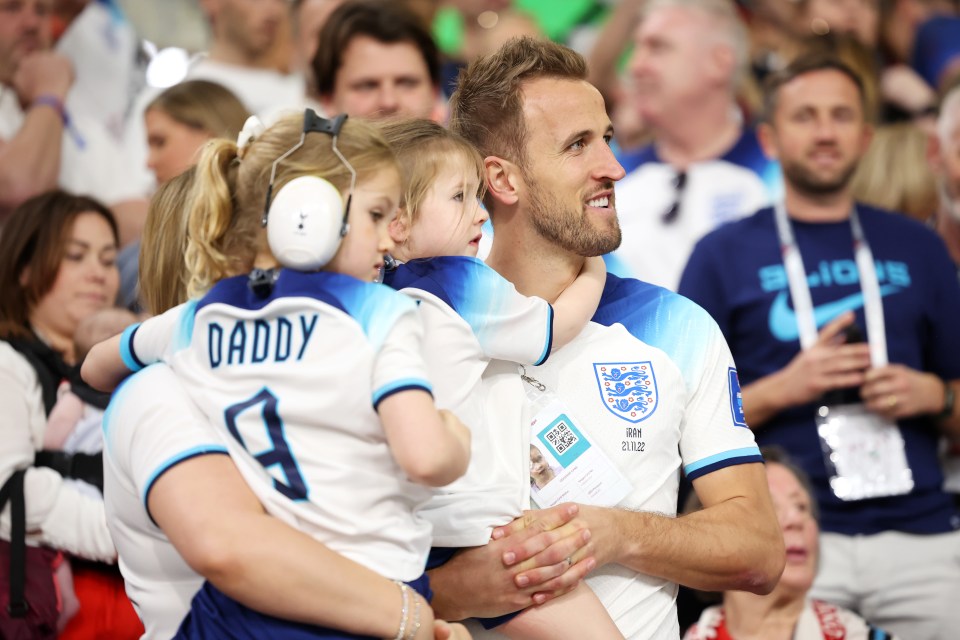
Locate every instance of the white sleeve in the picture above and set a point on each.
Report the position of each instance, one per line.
(58, 515)
(399, 365)
(517, 328)
(152, 425)
(714, 433)
(508, 326)
(153, 339)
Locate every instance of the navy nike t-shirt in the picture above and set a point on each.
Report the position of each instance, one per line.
(736, 273)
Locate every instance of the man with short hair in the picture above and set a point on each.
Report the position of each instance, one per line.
(241, 55)
(43, 144)
(374, 60)
(796, 289)
(704, 166)
(649, 381)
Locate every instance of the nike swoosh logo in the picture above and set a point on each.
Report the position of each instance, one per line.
(783, 320)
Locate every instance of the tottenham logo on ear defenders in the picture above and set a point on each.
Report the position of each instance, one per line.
(307, 218)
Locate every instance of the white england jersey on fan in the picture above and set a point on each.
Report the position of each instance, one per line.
(471, 315)
(293, 380)
(150, 427)
(652, 382)
(713, 191)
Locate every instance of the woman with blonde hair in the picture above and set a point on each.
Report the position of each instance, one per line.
(320, 424)
(894, 173)
(183, 118)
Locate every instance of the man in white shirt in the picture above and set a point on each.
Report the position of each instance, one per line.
(42, 144)
(704, 166)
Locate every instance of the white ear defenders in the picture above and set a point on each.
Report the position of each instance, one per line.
(304, 223)
(307, 219)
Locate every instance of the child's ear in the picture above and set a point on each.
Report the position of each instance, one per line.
(399, 227)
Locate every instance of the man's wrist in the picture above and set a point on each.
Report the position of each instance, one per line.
(53, 102)
(443, 607)
(949, 400)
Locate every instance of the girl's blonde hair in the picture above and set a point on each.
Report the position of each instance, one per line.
(225, 234)
(163, 276)
(423, 148)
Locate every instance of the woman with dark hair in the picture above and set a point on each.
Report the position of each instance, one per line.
(57, 268)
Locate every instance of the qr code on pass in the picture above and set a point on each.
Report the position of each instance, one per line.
(561, 437)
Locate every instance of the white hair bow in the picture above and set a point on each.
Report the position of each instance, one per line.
(252, 129)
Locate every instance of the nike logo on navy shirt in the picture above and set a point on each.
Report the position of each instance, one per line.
(783, 319)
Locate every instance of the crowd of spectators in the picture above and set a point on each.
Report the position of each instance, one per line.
(770, 160)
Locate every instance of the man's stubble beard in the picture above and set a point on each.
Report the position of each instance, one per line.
(808, 182)
(569, 228)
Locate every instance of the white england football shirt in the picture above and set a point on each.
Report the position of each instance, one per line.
(472, 315)
(293, 380)
(714, 191)
(652, 381)
(151, 426)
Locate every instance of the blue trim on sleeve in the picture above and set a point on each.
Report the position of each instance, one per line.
(404, 384)
(548, 347)
(719, 461)
(173, 461)
(127, 353)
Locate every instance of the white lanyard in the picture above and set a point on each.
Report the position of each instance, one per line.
(800, 289)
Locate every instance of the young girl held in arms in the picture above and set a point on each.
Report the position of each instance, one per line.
(313, 372)
(471, 316)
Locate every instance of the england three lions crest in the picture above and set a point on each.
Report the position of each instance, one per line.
(628, 389)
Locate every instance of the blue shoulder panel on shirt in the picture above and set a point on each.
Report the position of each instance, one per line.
(660, 318)
(374, 306)
(471, 288)
(184, 330)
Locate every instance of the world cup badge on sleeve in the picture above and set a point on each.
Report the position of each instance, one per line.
(736, 398)
(628, 389)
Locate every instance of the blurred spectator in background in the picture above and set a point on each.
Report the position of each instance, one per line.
(936, 54)
(182, 118)
(240, 57)
(795, 289)
(178, 122)
(477, 28)
(775, 34)
(788, 612)
(42, 144)
(307, 18)
(617, 87)
(57, 269)
(243, 57)
(375, 59)
(905, 92)
(945, 162)
(894, 174)
(705, 166)
(859, 18)
(107, 59)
